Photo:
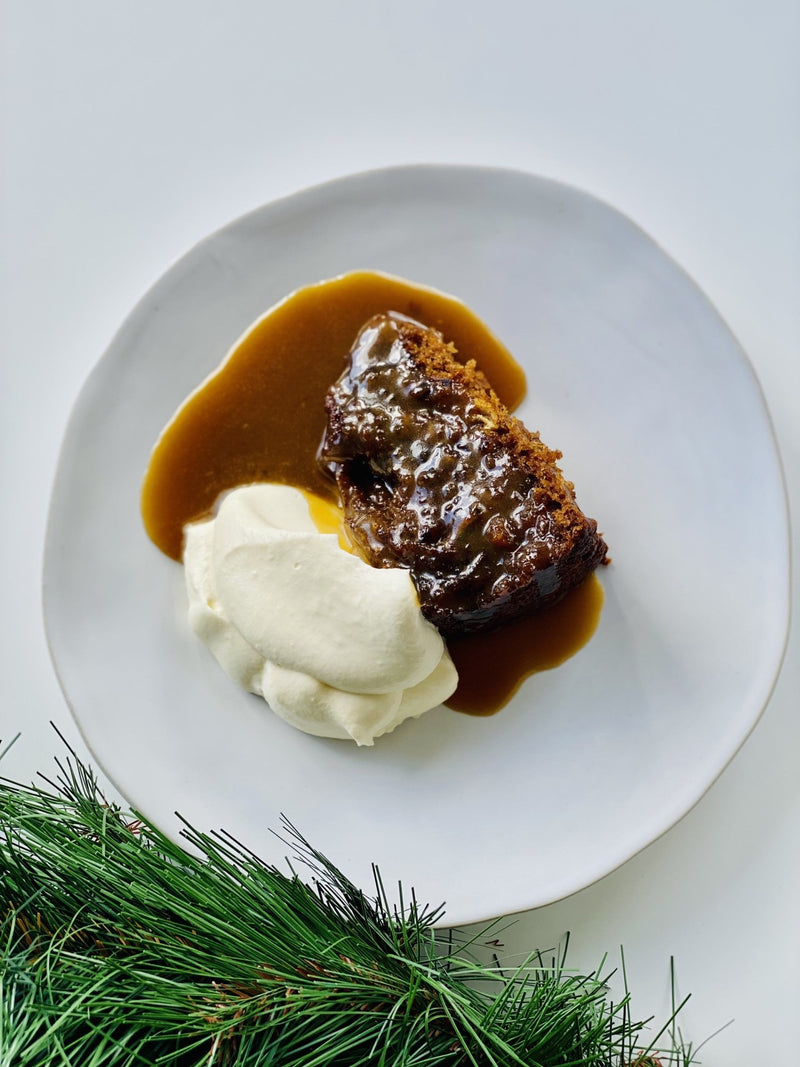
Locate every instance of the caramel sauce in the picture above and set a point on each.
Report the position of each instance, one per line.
(260, 418)
(328, 519)
(492, 666)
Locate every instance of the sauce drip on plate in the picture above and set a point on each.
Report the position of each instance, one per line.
(492, 666)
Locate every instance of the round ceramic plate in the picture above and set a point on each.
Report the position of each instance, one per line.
(631, 373)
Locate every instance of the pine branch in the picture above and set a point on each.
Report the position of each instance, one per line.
(121, 948)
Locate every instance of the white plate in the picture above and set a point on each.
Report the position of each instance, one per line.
(631, 373)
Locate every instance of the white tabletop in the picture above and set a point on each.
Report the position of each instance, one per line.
(131, 131)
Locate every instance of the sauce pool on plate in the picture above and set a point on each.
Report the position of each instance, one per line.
(260, 418)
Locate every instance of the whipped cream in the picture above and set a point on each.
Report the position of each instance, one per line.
(337, 648)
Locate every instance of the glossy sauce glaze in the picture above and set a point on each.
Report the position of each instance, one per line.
(261, 417)
(436, 477)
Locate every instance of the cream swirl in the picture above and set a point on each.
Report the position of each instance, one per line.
(337, 648)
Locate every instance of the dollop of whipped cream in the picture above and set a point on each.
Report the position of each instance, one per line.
(337, 648)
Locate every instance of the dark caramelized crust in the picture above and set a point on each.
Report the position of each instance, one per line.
(436, 476)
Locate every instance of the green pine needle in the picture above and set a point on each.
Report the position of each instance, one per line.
(121, 948)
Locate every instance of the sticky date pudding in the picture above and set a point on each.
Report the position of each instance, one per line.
(436, 475)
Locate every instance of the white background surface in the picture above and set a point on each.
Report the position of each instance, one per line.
(129, 131)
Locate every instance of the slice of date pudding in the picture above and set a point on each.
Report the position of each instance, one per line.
(436, 476)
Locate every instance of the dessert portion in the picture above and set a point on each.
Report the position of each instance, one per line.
(442, 487)
(337, 648)
(436, 476)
